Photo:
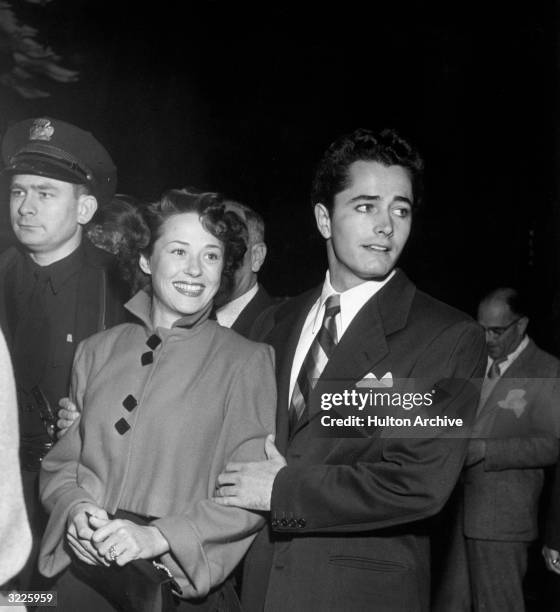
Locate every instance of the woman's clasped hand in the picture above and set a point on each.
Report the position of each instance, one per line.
(98, 540)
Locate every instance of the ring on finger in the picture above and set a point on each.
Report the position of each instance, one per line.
(113, 552)
(555, 561)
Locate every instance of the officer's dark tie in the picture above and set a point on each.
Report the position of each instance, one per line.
(315, 361)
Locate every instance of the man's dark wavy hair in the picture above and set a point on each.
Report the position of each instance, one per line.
(385, 147)
(144, 227)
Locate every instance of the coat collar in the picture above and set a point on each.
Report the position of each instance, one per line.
(140, 305)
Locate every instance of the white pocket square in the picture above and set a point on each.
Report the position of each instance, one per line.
(515, 401)
(370, 381)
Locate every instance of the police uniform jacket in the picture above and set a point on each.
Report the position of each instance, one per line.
(99, 305)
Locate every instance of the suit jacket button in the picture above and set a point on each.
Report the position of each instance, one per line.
(302, 522)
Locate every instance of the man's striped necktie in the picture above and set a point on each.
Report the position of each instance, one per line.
(315, 361)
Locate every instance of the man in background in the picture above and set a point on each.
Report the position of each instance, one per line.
(247, 298)
(515, 438)
(55, 287)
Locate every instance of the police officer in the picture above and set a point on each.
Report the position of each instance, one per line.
(56, 288)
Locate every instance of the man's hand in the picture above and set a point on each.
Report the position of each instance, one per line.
(551, 559)
(249, 485)
(120, 541)
(79, 532)
(67, 414)
(476, 451)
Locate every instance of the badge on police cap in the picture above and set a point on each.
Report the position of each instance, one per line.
(55, 149)
(41, 129)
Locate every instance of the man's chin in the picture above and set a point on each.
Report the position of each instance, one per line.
(379, 273)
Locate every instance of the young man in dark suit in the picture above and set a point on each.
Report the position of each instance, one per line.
(347, 515)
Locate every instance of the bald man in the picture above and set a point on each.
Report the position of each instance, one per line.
(515, 438)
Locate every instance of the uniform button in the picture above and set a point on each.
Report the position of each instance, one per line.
(302, 522)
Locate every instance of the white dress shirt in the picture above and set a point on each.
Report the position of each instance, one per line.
(351, 301)
(504, 365)
(228, 313)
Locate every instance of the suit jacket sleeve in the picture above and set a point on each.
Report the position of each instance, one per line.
(402, 480)
(209, 542)
(552, 533)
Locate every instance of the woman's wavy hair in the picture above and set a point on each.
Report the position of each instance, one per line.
(143, 226)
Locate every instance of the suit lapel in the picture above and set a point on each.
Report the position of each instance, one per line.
(284, 337)
(518, 369)
(242, 325)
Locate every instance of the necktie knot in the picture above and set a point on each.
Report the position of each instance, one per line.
(494, 370)
(332, 305)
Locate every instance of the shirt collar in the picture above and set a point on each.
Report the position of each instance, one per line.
(228, 313)
(504, 365)
(351, 300)
(60, 271)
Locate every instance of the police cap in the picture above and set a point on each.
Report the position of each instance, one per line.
(55, 149)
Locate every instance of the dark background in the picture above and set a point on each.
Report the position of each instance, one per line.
(244, 100)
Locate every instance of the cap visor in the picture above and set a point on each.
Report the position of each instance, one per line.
(46, 168)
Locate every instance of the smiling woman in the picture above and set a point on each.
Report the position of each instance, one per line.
(133, 481)
(186, 266)
(188, 251)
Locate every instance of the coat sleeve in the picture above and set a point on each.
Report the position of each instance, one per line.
(208, 543)
(394, 480)
(58, 485)
(15, 535)
(552, 532)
